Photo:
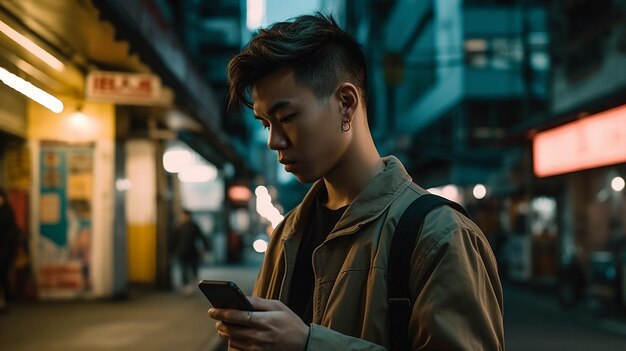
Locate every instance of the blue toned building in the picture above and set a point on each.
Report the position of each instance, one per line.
(454, 81)
(455, 88)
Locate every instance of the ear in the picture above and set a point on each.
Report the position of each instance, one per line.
(349, 99)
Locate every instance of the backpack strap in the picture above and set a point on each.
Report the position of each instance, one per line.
(402, 246)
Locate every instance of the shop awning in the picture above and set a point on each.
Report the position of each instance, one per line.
(116, 36)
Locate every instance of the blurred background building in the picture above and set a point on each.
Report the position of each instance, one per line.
(114, 116)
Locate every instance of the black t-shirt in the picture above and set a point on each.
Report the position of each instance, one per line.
(320, 223)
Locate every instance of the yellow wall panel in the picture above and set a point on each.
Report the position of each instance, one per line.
(95, 122)
(142, 253)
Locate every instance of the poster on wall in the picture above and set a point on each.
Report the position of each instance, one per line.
(18, 168)
(65, 220)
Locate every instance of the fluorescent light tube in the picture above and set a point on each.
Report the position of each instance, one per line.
(27, 88)
(32, 47)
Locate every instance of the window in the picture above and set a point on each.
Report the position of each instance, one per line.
(538, 46)
(476, 53)
(503, 53)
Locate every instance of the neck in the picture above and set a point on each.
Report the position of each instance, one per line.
(352, 174)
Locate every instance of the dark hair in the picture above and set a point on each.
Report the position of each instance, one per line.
(320, 53)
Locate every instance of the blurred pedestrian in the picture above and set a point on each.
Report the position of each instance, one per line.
(9, 238)
(186, 240)
(323, 282)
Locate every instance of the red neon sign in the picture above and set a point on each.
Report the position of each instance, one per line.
(239, 193)
(594, 141)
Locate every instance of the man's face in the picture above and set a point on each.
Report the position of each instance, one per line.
(305, 133)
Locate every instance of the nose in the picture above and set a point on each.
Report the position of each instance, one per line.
(277, 139)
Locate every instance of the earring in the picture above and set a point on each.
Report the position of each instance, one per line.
(345, 126)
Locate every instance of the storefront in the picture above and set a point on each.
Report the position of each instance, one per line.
(15, 179)
(588, 158)
(81, 151)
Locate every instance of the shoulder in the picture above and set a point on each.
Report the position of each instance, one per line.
(439, 223)
(442, 226)
(446, 231)
(444, 221)
(405, 197)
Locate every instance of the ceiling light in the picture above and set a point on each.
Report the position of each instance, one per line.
(198, 174)
(27, 88)
(32, 47)
(175, 160)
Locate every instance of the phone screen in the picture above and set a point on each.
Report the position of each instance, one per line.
(225, 294)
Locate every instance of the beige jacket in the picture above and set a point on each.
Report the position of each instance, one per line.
(459, 307)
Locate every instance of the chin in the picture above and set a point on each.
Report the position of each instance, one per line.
(305, 178)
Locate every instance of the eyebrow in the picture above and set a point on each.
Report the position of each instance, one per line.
(275, 107)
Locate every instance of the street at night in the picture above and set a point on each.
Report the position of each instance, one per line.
(535, 321)
(374, 170)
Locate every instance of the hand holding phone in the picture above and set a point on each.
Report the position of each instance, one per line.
(225, 294)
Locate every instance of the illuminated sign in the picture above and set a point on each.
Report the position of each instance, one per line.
(594, 141)
(239, 193)
(123, 88)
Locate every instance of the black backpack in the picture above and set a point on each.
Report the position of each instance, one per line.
(402, 246)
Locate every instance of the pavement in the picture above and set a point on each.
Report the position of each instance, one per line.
(149, 319)
(587, 312)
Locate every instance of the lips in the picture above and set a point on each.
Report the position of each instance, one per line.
(289, 164)
(286, 161)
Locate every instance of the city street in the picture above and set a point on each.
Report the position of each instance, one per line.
(166, 320)
(148, 143)
(147, 320)
(536, 322)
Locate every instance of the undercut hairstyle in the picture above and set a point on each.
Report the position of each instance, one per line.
(319, 52)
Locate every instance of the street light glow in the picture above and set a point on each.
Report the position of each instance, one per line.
(479, 191)
(265, 208)
(260, 245)
(197, 173)
(255, 14)
(618, 183)
(450, 192)
(175, 160)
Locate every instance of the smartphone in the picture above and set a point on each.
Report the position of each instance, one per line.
(225, 294)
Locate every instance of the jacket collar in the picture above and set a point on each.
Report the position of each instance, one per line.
(368, 205)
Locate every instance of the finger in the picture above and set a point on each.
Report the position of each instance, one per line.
(232, 329)
(261, 304)
(241, 335)
(221, 331)
(223, 335)
(231, 316)
(250, 339)
(242, 345)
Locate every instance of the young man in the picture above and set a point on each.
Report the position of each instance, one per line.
(323, 283)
